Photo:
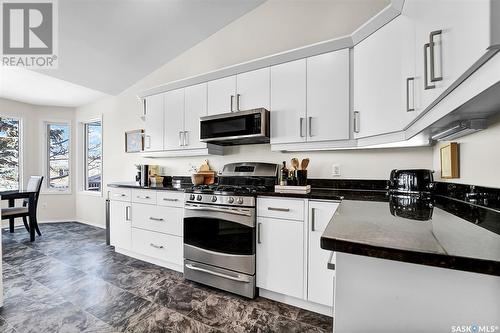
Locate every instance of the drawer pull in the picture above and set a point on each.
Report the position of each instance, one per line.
(156, 219)
(143, 197)
(119, 195)
(279, 209)
(330, 265)
(168, 199)
(156, 246)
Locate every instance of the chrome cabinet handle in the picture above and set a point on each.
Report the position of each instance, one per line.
(156, 219)
(301, 124)
(143, 197)
(356, 121)
(238, 278)
(219, 210)
(148, 140)
(156, 246)
(180, 139)
(426, 79)
(119, 195)
(168, 199)
(279, 209)
(232, 98)
(144, 112)
(238, 102)
(186, 138)
(330, 264)
(310, 126)
(412, 79)
(127, 213)
(313, 219)
(259, 226)
(434, 78)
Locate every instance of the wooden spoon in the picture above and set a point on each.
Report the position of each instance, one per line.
(304, 163)
(295, 163)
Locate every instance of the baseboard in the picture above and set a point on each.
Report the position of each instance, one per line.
(300, 303)
(90, 223)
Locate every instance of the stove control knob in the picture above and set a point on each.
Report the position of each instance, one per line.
(199, 197)
(214, 198)
(191, 197)
(230, 200)
(240, 201)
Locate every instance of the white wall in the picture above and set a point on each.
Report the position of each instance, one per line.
(479, 156)
(51, 207)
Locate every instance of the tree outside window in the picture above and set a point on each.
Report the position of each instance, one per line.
(93, 156)
(58, 156)
(9, 153)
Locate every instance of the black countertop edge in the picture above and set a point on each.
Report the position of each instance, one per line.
(333, 194)
(473, 265)
(183, 187)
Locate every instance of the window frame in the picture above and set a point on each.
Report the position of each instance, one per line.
(20, 159)
(84, 156)
(46, 160)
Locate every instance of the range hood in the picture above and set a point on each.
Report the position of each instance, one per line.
(236, 128)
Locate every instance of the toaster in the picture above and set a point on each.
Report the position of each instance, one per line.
(411, 181)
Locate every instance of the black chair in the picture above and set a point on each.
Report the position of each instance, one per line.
(27, 210)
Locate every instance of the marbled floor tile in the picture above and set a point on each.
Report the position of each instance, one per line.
(166, 320)
(315, 319)
(277, 308)
(179, 297)
(17, 254)
(57, 275)
(225, 314)
(268, 322)
(123, 310)
(5, 327)
(90, 290)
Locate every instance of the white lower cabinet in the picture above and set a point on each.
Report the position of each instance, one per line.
(320, 278)
(147, 230)
(120, 224)
(280, 256)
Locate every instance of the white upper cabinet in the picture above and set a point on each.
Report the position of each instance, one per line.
(288, 102)
(174, 119)
(384, 84)
(253, 90)
(328, 96)
(195, 107)
(320, 278)
(455, 34)
(222, 95)
(153, 129)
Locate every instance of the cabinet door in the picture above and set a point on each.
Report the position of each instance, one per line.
(153, 128)
(222, 95)
(195, 107)
(328, 96)
(288, 102)
(174, 119)
(463, 40)
(120, 224)
(383, 63)
(320, 278)
(253, 89)
(280, 256)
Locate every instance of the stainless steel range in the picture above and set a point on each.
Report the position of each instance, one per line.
(219, 227)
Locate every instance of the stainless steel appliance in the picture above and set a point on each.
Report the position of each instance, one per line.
(411, 181)
(220, 227)
(236, 128)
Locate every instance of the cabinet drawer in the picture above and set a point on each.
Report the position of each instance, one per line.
(144, 196)
(157, 218)
(157, 245)
(290, 209)
(120, 194)
(170, 198)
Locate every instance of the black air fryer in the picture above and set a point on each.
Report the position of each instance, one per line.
(411, 181)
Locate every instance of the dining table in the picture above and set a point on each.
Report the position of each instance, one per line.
(12, 196)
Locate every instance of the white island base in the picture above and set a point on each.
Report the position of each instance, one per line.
(378, 295)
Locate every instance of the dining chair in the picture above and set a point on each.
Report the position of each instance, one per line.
(26, 210)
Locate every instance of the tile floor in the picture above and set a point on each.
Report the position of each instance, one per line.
(70, 281)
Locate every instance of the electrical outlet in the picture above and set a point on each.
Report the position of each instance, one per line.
(336, 170)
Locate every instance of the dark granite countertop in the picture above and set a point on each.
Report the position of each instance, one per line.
(333, 194)
(183, 187)
(441, 232)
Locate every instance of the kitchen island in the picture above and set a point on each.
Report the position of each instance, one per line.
(401, 262)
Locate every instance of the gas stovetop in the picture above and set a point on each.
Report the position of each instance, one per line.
(220, 189)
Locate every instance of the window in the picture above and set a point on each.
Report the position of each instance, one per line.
(93, 156)
(9, 153)
(58, 161)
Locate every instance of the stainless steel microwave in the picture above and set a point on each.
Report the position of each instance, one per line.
(236, 128)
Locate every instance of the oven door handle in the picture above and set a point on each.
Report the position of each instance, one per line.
(234, 278)
(221, 210)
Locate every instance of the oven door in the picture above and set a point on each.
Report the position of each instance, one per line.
(220, 236)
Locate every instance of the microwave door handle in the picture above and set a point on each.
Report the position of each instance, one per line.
(220, 210)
